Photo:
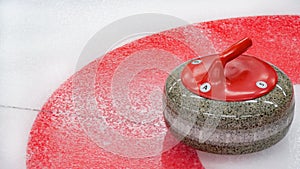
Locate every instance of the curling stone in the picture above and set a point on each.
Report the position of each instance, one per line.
(229, 103)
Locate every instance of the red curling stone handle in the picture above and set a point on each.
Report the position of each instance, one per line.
(229, 76)
(235, 50)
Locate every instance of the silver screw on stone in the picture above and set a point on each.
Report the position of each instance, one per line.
(261, 84)
(205, 87)
(195, 62)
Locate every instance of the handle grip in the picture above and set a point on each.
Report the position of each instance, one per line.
(235, 50)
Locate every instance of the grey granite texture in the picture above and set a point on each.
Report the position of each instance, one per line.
(228, 127)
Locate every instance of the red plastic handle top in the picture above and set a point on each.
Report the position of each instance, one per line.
(229, 76)
(235, 50)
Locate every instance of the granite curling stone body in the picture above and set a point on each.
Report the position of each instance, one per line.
(229, 103)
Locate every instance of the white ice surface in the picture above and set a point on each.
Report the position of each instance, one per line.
(40, 42)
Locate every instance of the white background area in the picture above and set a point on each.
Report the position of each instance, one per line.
(41, 41)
